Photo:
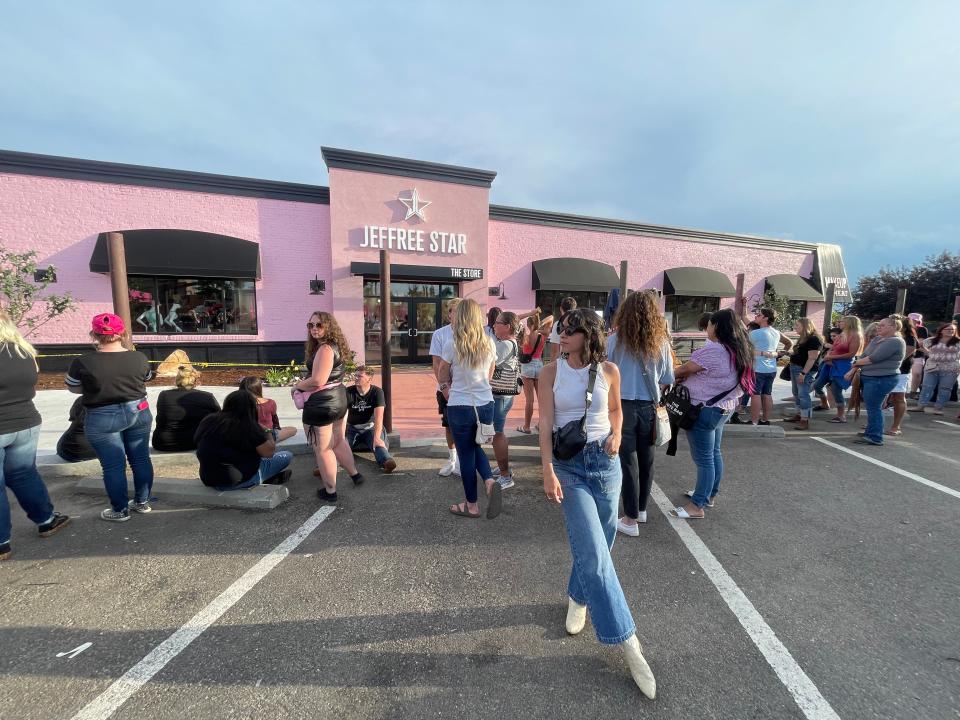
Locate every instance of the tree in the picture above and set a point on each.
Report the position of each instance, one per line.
(931, 288)
(788, 311)
(23, 286)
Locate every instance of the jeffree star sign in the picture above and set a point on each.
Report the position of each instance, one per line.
(378, 237)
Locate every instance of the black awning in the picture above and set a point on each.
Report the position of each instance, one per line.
(418, 272)
(574, 274)
(696, 281)
(184, 253)
(793, 287)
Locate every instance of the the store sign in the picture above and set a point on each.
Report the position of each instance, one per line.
(418, 272)
(377, 237)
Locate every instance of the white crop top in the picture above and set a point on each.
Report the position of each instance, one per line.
(569, 390)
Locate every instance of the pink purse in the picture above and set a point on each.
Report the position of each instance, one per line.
(300, 397)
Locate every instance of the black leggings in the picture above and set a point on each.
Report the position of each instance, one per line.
(636, 456)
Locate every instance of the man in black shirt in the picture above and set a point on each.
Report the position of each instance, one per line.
(365, 432)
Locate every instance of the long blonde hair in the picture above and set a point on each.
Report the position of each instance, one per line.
(9, 335)
(807, 329)
(853, 328)
(472, 347)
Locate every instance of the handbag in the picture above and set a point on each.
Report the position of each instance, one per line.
(681, 409)
(660, 431)
(506, 376)
(570, 439)
(485, 431)
(528, 357)
(785, 373)
(300, 397)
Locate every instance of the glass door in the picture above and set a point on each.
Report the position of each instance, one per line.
(424, 315)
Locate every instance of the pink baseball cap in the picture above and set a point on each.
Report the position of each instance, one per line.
(107, 324)
(916, 317)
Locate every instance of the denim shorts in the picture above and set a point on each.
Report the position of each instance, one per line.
(501, 408)
(531, 369)
(763, 383)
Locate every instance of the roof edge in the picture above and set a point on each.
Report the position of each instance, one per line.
(70, 168)
(389, 165)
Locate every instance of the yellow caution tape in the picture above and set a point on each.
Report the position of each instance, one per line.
(194, 363)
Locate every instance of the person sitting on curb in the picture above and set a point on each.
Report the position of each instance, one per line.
(235, 452)
(364, 430)
(180, 411)
(266, 410)
(73, 445)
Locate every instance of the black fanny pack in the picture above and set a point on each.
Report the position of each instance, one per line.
(570, 439)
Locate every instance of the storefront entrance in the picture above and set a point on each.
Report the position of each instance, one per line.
(417, 310)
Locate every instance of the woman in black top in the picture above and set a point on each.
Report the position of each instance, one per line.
(234, 451)
(325, 409)
(73, 445)
(112, 381)
(179, 412)
(803, 369)
(19, 432)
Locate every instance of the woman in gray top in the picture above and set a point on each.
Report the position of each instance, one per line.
(879, 368)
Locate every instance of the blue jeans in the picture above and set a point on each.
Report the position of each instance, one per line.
(118, 433)
(704, 440)
(942, 382)
(18, 471)
(268, 468)
(473, 460)
(363, 440)
(874, 390)
(823, 380)
(501, 408)
(591, 494)
(803, 390)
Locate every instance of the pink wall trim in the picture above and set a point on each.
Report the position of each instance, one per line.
(62, 218)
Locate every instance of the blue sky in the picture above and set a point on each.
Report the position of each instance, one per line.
(817, 121)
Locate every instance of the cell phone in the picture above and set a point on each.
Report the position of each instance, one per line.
(143, 405)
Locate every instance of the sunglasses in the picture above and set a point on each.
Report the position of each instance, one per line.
(311, 326)
(570, 330)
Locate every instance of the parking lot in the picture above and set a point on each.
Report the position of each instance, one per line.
(822, 585)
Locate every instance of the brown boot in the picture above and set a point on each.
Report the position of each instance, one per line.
(795, 418)
(802, 424)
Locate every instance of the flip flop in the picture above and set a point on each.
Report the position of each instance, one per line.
(679, 512)
(836, 420)
(893, 432)
(525, 432)
(460, 509)
(496, 501)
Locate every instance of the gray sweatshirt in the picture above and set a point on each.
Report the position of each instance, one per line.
(885, 355)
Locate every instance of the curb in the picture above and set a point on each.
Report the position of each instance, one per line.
(261, 497)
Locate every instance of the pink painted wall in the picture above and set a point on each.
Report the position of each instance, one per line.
(358, 199)
(62, 218)
(514, 247)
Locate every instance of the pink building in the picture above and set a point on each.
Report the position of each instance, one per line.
(230, 268)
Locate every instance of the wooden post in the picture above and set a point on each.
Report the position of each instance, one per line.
(828, 309)
(739, 304)
(117, 262)
(623, 280)
(386, 366)
(901, 300)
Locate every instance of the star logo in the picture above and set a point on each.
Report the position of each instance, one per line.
(415, 205)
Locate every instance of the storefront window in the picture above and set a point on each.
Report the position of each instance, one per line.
(197, 305)
(371, 288)
(683, 311)
(549, 300)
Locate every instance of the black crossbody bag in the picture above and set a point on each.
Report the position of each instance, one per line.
(682, 411)
(528, 357)
(570, 439)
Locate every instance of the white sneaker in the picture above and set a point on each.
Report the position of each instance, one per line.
(448, 466)
(639, 669)
(456, 467)
(576, 617)
(627, 529)
(506, 481)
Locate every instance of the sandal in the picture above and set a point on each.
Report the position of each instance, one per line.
(681, 513)
(836, 420)
(525, 432)
(893, 432)
(460, 509)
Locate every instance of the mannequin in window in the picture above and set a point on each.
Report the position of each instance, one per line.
(171, 318)
(150, 324)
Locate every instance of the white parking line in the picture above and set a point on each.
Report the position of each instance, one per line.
(948, 424)
(108, 702)
(800, 686)
(891, 468)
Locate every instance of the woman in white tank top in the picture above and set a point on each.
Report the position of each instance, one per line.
(587, 486)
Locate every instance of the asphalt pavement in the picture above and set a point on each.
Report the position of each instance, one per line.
(393, 608)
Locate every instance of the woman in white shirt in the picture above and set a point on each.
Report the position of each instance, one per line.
(587, 485)
(465, 370)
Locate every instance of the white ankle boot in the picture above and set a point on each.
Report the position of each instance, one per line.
(576, 617)
(641, 672)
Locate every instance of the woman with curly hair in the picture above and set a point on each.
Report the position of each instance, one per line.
(466, 367)
(640, 348)
(716, 375)
(581, 387)
(326, 407)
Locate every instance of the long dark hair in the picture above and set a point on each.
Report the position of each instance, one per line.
(492, 315)
(937, 339)
(595, 344)
(252, 384)
(730, 333)
(238, 419)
